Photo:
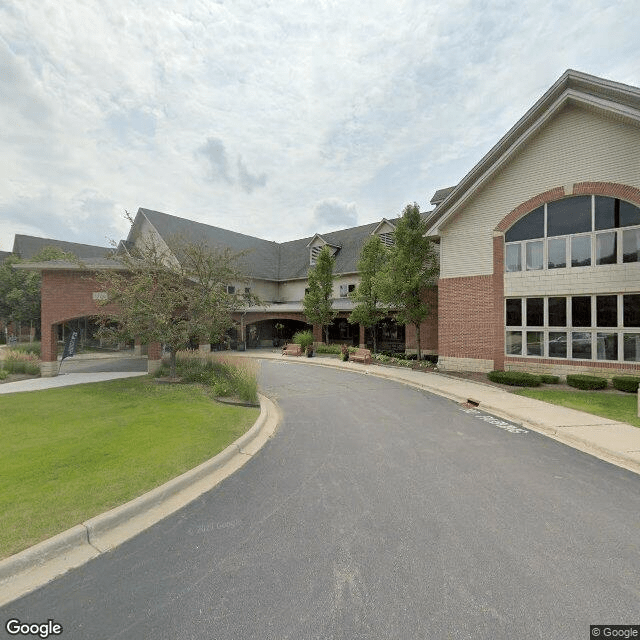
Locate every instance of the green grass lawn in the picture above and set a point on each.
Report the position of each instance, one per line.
(621, 407)
(69, 454)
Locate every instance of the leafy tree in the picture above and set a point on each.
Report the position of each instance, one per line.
(318, 300)
(412, 267)
(170, 298)
(20, 288)
(368, 310)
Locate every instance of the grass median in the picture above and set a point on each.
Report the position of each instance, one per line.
(71, 453)
(615, 406)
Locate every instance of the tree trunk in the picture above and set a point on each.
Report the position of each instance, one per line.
(375, 346)
(172, 364)
(417, 326)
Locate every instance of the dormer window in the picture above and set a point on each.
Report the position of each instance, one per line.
(387, 239)
(315, 252)
(317, 244)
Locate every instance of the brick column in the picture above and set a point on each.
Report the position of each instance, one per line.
(49, 351)
(317, 333)
(498, 301)
(137, 347)
(361, 338)
(154, 361)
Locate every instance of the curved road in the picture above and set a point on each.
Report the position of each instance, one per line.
(377, 511)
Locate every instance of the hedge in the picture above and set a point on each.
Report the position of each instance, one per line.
(515, 378)
(580, 381)
(549, 379)
(626, 383)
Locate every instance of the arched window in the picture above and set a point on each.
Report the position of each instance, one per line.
(574, 232)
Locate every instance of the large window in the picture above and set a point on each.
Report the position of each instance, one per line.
(575, 232)
(584, 327)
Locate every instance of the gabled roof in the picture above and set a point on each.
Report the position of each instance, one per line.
(26, 247)
(318, 236)
(617, 100)
(381, 224)
(440, 195)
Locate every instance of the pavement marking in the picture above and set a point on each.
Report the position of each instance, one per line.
(496, 422)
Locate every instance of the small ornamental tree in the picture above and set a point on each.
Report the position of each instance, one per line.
(368, 310)
(318, 300)
(170, 298)
(411, 269)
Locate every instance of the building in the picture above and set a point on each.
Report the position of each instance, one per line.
(540, 241)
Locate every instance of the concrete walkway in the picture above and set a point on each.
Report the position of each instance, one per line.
(615, 442)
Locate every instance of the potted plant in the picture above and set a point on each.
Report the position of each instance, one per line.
(305, 340)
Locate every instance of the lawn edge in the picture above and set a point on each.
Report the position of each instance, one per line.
(27, 570)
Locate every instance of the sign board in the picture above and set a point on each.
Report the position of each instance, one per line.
(70, 347)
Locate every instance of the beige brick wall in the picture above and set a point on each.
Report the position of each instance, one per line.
(447, 363)
(576, 146)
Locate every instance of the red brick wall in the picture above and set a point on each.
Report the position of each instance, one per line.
(612, 189)
(65, 295)
(467, 317)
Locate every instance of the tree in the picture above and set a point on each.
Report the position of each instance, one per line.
(367, 295)
(412, 268)
(20, 288)
(318, 299)
(171, 298)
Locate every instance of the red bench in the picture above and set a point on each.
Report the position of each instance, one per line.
(361, 355)
(292, 350)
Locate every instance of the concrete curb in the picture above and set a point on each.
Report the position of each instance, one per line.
(34, 567)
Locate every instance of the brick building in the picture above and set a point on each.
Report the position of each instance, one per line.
(540, 241)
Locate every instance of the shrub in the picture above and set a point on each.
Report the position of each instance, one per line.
(303, 338)
(515, 378)
(334, 349)
(17, 361)
(629, 384)
(3, 374)
(28, 347)
(549, 379)
(580, 381)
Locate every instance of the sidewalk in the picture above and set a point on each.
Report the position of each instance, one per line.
(615, 442)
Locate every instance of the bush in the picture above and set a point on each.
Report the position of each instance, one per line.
(303, 338)
(18, 361)
(580, 381)
(547, 378)
(334, 349)
(629, 384)
(28, 347)
(3, 374)
(515, 378)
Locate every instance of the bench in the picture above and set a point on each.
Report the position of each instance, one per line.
(361, 355)
(292, 350)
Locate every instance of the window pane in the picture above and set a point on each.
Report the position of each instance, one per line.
(527, 228)
(514, 343)
(514, 312)
(557, 344)
(605, 213)
(581, 345)
(629, 214)
(606, 248)
(607, 311)
(632, 347)
(534, 255)
(581, 251)
(557, 248)
(631, 245)
(535, 312)
(572, 215)
(607, 346)
(534, 343)
(581, 311)
(631, 309)
(513, 257)
(558, 312)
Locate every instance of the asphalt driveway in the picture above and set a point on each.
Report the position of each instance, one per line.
(377, 511)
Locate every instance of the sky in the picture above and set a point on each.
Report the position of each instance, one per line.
(276, 119)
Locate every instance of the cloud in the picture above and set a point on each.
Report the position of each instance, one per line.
(332, 213)
(247, 180)
(215, 153)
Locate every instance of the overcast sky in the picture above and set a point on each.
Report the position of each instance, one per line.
(277, 119)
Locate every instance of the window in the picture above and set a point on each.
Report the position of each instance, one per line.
(557, 253)
(514, 312)
(607, 311)
(606, 248)
(581, 251)
(534, 255)
(513, 257)
(231, 289)
(387, 239)
(569, 233)
(535, 312)
(581, 311)
(346, 289)
(315, 252)
(586, 327)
